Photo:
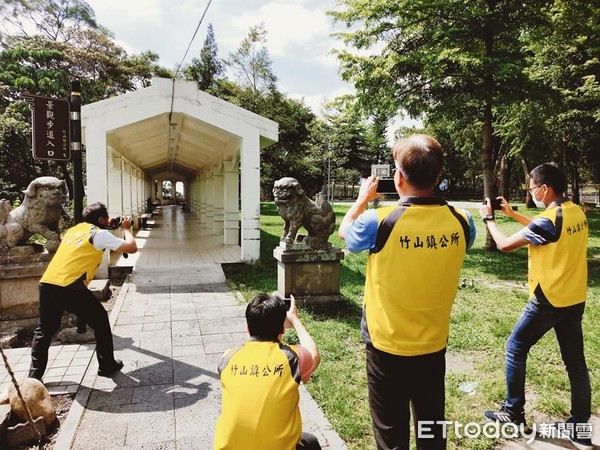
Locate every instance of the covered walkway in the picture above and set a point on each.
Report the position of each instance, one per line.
(172, 143)
(174, 237)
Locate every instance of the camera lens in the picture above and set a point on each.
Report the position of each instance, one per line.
(116, 223)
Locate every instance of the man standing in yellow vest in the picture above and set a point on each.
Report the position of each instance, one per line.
(260, 382)
(64, 287)
(416, 250)
(557, 240)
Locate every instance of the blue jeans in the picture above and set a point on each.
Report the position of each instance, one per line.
(538, 317)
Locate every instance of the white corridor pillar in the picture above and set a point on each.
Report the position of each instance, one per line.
(231, 225)
(250, 196)
(127, 194)
(210, 208)
(115, 187)
(218, 201)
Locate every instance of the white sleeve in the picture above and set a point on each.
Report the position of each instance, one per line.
(104, 239)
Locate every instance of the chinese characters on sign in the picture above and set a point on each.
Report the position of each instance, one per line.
(50, 118)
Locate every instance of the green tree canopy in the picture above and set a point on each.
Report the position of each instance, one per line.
(208, 68)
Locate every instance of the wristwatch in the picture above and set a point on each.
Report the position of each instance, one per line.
(488, 217)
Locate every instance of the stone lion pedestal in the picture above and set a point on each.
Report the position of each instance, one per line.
(20, 272)
(311, 276)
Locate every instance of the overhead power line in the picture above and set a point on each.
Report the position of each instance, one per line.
(193, 37)
(172, 151)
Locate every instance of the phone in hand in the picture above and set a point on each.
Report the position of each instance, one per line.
(386, 186)
(286, 300)
(496, 204)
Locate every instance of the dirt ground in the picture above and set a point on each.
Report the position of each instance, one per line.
(62, 403)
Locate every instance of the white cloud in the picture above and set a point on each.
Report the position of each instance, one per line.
(316, 101)
(299, 39)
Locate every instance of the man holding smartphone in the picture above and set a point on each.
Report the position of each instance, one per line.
(416, 250)
(260, 381)
(557, 242)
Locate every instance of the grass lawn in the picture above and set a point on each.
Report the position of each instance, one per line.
(492, 294)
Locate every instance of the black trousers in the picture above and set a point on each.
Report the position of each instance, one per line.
(395, 384)
(79, 300)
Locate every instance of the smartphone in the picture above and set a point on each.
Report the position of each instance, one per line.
(286, 300)
(496, 204)
(386, 186)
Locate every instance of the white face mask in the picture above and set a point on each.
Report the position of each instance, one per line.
(539, 203)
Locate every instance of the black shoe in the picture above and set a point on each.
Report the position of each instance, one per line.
(111, 370)
(576, 432)
(581, 443)
(505, 416)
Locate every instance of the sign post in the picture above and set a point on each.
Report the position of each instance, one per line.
(51, 129)
(54, 122)
(77, 150)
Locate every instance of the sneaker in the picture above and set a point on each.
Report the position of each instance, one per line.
(505, 416)
(576, 432)
(110, 371)
(581, 443)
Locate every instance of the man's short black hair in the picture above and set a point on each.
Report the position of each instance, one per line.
(265, 315)
(551, 175)
(93, 212)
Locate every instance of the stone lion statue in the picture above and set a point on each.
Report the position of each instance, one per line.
(298, 210)
(39, 213)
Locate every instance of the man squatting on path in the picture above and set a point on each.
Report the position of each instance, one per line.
(260, 382)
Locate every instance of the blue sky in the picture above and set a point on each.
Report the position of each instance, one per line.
(299, 36)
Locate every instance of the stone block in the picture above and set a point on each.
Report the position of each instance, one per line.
(19, 284)
(311, 276)
(100, 289)
(71, 336)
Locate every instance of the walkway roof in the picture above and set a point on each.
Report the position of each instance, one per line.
(173, 128)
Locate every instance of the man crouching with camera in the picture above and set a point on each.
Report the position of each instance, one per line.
(64, 286)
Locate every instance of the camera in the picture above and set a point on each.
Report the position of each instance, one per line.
(496, 204)
(115, 223)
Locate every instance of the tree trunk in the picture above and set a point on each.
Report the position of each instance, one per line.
(529, 203)
(504, 176)
(489, 185)
(487, 150)
(571, 171)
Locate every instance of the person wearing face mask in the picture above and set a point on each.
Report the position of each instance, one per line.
(557, 241)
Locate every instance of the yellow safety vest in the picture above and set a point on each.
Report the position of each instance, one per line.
(412, 276)
(558, 270)
(260, 398)
(75, 258)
